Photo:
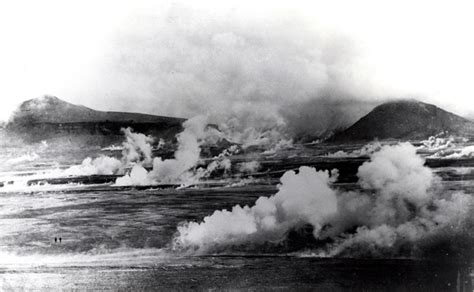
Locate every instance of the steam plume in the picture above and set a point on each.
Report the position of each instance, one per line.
(400, 204)
(136, 149)
(270, 218)
(180, 168)
(293, 74)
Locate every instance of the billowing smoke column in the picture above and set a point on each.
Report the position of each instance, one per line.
(187, 155)
(136, 148)
(270, 218)
(178, 169)
(399, 205)
(184, 167)
(399, 180)
(147, 170)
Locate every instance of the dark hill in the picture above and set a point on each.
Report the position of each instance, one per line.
(50, 109)
(406, 119)
(49, 117)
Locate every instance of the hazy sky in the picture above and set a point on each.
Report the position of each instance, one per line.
(253, 60)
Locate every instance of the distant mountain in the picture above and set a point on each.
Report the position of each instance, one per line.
(50, 109)
(405, 119)
(49, 117)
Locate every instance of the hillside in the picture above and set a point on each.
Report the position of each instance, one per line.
(49, 117)
(50, 109)
(406, 119)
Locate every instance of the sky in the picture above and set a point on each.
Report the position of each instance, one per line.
(257, 62)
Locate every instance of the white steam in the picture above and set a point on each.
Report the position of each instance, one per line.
(437, 143)
(249, 166)
(229, 65)
(181, 168)
(28, 157)
(220, 162)
(187, 155)
(102, 165)
(443, 146)
(136, 148)
(366, 150)
(302, 198)
(465, 152)
(399, 203)
(139, 167)
(397, 175)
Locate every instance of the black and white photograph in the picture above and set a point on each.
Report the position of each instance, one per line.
(172, 145)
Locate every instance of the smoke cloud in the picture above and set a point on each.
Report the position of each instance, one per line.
(400, 207)
(400, 180)
(270, 218)
(249, 166)
(137, 148)
(366, 150)
(102, 165)
(265, 70)
(187, 155)
(465, 152)
(261, 62)
(183, 168)
(139, 167)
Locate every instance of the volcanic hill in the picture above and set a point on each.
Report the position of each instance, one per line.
(49, 117)
(405, 120)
